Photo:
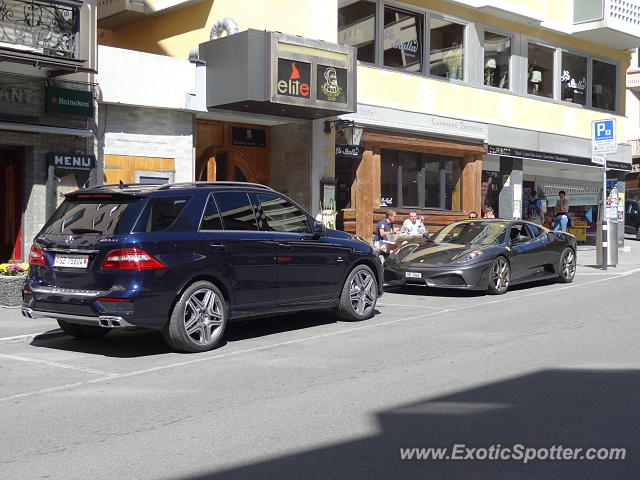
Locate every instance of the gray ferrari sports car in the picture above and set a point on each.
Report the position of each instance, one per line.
(484, 254)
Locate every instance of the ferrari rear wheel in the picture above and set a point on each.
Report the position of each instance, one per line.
(567, 269)
(499, 276)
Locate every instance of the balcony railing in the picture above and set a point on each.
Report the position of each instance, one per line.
(635, 147)
(615, 23)
(41, 27)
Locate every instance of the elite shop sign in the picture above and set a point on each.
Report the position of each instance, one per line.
(69, 102)
(294, 79)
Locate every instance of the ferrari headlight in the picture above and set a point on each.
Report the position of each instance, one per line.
(467, 257)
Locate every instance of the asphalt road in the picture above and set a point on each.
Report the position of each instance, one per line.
(306, 397)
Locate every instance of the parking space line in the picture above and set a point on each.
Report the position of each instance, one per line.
(56, 364)
(117, 376)
(385, 304)
(29, 337)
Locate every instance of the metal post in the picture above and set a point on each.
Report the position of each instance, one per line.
(605, 224)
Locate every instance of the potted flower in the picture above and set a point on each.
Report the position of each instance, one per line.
(12, 276)
(453, 59)
(327, 215)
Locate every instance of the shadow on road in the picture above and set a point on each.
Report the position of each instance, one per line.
(130, 343)
(423, 291)
(572, 408)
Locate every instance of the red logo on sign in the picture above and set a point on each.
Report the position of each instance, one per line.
(295, 74)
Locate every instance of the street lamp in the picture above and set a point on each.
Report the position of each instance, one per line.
(351, 131)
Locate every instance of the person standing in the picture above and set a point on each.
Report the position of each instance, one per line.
(488, 213)
(473, 215)
(413, 225)
(384, 228)
(534, 208)
(562, 212)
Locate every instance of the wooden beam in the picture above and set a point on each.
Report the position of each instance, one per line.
(421, 144)
(364, 196)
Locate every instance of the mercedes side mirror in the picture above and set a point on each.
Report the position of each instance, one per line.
(319, 230)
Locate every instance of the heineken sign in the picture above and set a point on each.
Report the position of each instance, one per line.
(69, 102)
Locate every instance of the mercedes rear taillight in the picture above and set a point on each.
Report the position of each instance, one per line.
(131, 259)
(36, 257)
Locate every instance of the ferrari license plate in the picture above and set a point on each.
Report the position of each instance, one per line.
(71, 261)
(412, 275)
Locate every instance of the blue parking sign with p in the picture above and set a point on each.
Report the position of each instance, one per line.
(603, 130)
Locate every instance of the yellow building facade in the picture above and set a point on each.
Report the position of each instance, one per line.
(478, 103)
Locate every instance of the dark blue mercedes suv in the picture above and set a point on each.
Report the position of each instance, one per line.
(187, 258)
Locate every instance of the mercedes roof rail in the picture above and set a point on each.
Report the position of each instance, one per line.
(222, 183)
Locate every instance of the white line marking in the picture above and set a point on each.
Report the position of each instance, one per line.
(29, 337)
(118, 376)
(56, 364)
(385, 304)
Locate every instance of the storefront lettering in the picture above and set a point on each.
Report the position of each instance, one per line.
(15, 95)
(297, 83)
(410, 46)
(82, 162)
(454, 125)
(71, 161)
(571, 82)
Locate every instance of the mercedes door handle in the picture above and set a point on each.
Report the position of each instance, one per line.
(285, 246)
(217, 246)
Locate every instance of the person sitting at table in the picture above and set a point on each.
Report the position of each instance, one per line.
(413, 225)
(384, 228)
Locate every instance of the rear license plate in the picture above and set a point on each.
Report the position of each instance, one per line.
(71, 261)
(412, 275)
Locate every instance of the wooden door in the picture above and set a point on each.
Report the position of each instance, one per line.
(10, 205)
(231, 166)
(130, 169)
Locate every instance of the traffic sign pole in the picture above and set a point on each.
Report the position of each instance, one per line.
(604, 220)
(603, 141)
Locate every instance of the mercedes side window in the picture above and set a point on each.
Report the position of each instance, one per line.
(277, 214)
(161, 213)
(236, 211)
(211, 218)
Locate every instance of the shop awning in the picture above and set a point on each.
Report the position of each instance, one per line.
(37, 128)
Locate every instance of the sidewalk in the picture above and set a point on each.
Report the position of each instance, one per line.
(627, 259)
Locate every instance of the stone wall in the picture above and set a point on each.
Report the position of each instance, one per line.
(149, 132)
(291, 162)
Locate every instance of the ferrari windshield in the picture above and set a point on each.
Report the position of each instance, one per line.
(473, 233)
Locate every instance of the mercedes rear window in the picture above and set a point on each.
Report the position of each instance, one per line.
(90, 215)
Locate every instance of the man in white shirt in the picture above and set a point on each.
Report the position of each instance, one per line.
(413, 225)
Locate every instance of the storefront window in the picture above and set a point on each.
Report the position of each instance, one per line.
(447, 49)
(419, 180)
(603, 93)
(357, 27)
(573, 78)
(402, 39)
(540, 79)
(497, 57)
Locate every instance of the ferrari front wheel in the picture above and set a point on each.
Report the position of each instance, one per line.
(499, 276)
(567, 268)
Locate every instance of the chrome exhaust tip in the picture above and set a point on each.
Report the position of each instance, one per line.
(112, 322)
(27, 312)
